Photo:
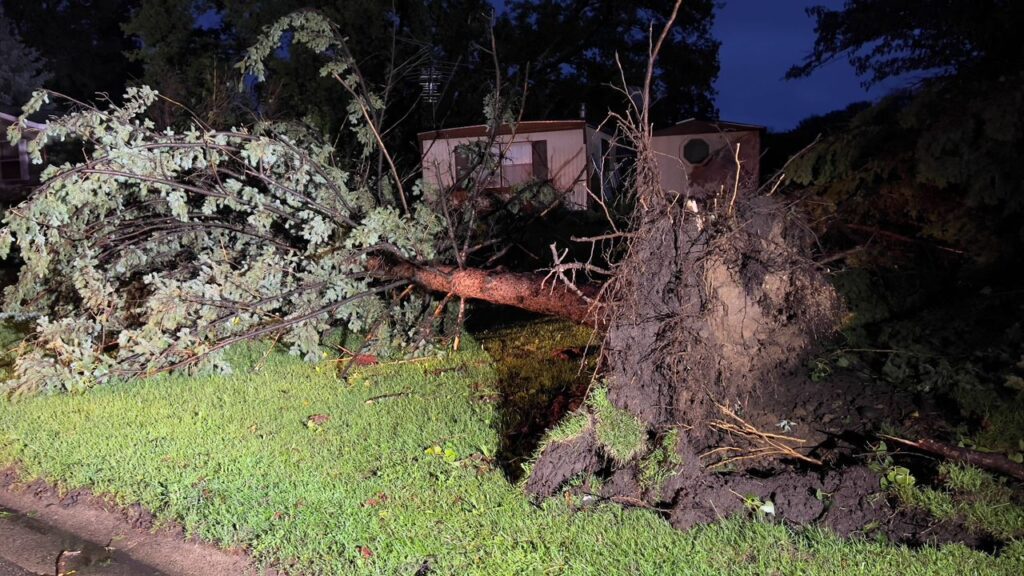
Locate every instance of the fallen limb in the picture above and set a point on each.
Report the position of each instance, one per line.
(987, 460)
(521, 290)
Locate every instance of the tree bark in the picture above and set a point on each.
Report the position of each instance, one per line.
(520, 290)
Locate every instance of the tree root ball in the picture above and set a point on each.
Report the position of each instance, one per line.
(707, 310)
(714, 309)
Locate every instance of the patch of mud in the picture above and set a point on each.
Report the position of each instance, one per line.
(560, 462)
(839, 418)
(848, 501)
(44, 549)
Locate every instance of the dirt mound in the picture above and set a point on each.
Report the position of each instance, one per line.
(564, 461)
(707, 312)
(710, 309)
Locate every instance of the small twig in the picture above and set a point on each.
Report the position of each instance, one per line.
(263, 359)
(736, 184)
(391, 396)
(558, 273)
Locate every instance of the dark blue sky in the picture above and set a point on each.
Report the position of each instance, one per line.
(761, 39)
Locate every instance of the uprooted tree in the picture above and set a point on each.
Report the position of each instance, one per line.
(713, 304)
(163, 248)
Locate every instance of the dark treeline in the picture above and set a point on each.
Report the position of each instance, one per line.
(435, 61)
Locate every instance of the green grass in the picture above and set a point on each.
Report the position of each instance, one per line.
(985, 502)
(662, 462)
(620, 433)
(237, 460)
(572, 426)
(533, 371)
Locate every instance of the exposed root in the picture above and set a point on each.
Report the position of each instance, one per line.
(761, 444)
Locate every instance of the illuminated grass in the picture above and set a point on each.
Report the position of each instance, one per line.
(618, 431)
(984, 501)
(237, 460)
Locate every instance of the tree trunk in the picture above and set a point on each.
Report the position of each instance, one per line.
(520, 290)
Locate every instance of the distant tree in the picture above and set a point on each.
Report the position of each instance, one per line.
(937, 164)
(22, 68)
(189, 62)
(568, 52)
(780, 147)
(398, 42)
(82, 42)
(887, 38)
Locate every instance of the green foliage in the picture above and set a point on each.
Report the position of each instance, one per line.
(887, 38)
(938, 165)
(758, 508)
(964, 349)
(12, 334)
(986, 504)
(229, 458)
(619, 432)
(163, 247)
(898, 479)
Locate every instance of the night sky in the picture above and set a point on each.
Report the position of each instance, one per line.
(761, 39)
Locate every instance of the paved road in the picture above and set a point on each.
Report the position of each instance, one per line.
(29, 547)
(12, 570)
(41, 534)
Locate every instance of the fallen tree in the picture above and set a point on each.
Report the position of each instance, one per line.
(526, 291)
(160, 248)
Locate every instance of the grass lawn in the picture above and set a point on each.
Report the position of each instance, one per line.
(385, 472)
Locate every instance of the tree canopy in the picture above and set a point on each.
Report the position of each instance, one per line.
(567, 53)
(560, 55)
(190, 62)
(82, 42)
(933, 164)
(888, 38)
(22, 68)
